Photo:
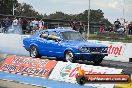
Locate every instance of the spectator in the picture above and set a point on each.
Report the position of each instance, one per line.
(101, 29)
(121, 29)
(24, 25)
(15, 24)
(28, 26)
(117, 24)
(35, 25)
(73, 25)
(81, 29)
(126, 26)
(31, 25)
(41, 24)
(130, 28)
(5, 25)
(0, 24)
(20, 25)
(110, 28)
(10, 21)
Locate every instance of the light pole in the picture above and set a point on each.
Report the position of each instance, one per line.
(124, 10)
(88, 20)
(13, 9)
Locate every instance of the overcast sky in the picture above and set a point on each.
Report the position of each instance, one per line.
(112, 9)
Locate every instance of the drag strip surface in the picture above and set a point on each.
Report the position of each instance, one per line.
(12, 84)
(40, 82)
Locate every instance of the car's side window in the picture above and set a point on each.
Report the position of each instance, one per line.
(53, 36)
(44, 35)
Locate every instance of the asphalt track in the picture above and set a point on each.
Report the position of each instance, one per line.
(38, 82)
(12, 44)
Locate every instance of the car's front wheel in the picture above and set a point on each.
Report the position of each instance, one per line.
(34, 52)
(69, 56)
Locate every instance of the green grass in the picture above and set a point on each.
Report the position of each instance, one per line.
(127, 39)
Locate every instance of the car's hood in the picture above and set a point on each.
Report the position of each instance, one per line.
(81, 44)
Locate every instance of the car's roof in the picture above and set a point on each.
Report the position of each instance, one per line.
(59, 30)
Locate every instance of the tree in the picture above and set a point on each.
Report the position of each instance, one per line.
(26, 10)
(6, 6)
(59, 15)
(96, 16)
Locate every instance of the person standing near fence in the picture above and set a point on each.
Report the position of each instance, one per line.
(15, 24)
(35, 25)
(117, 24)
(20, 25)
(3, 25)
(24, 25)
(130, 28)
(110, 28)
(41, 24)
(31, 26)
(6, 25)
(101, 28)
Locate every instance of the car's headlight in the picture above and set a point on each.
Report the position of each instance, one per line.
(85, 49)
(104, 49)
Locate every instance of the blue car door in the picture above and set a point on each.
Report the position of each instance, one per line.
(54, 47)
(42, 43)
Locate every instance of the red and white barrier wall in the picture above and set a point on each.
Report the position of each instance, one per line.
(68, 72)
(28, 66)
(54, 70)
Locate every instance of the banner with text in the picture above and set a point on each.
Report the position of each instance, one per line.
(29, 66)
(117, 51)
(69, 71)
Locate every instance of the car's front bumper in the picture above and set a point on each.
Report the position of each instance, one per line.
(90, 56)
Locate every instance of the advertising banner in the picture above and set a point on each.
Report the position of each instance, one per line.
(114, 48)
(29, 66)
(69, 71)
(117, 51)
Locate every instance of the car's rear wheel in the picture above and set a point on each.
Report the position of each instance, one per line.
(69, 56)
(34, 52)
(97, 62)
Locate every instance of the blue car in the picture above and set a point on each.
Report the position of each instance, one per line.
(64, 44)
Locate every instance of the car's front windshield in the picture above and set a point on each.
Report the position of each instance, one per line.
(72, 35)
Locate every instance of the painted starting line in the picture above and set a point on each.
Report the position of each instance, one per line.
(38, 81)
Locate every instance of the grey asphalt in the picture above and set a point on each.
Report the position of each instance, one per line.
(12, 84)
